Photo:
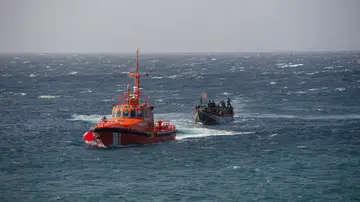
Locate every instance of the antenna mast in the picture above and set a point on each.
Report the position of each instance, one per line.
(136, 75)
(137, 84)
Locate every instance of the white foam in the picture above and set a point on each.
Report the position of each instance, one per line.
(340, 89)
(157, 77)
(273, 135)
(21, 94)
(283, 65)
(312, 73)
(210, 133)
(88, 118)
(199, 77)
(172, 76)
(227, 93)
(186, 127)
(86, 91)
(73, 73)
(48, 96)
(236, 69)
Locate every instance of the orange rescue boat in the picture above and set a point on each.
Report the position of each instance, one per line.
(131, 122)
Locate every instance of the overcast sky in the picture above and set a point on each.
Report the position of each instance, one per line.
(178, 25)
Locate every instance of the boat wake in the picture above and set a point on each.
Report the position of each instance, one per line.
(185, 125)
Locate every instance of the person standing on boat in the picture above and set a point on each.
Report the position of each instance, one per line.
(103, 119)
(229, 102)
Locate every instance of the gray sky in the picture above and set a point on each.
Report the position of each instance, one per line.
(178, 25)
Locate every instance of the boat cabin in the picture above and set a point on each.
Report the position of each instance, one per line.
(131, 111)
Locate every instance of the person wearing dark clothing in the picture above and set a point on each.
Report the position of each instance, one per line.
(228, 102)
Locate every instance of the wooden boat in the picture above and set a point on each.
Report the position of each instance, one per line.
(131, 122)
(212, 113)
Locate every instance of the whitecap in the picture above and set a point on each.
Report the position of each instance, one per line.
(299, 92)
(202, 133)
(283, 65)
(234, 167)
(199, 77)
(6, 75)
(340, 89)
(273, 135)
(157, 77)
(48, 96)
(86, 91)
(312, 73)
(88, 118)
(159, 100)
(73, 73)
(12, 93)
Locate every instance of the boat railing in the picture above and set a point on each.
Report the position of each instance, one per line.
(218, 114)
(106, 122)
(165, 125)
(126, 97)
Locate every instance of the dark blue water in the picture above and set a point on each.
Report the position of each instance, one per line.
(295, 137)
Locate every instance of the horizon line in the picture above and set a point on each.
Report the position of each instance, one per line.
(181, 52)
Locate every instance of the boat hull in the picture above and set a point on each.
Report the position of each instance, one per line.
(209, 118)
(115, 137)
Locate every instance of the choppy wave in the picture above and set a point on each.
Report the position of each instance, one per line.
(296, 130)
(13, 93)
(48, 96)
(304, 117)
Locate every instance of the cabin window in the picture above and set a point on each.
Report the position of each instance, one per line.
(132, 113)
(139, 113)
(118, 113)
(146, 112)
(125, 113)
